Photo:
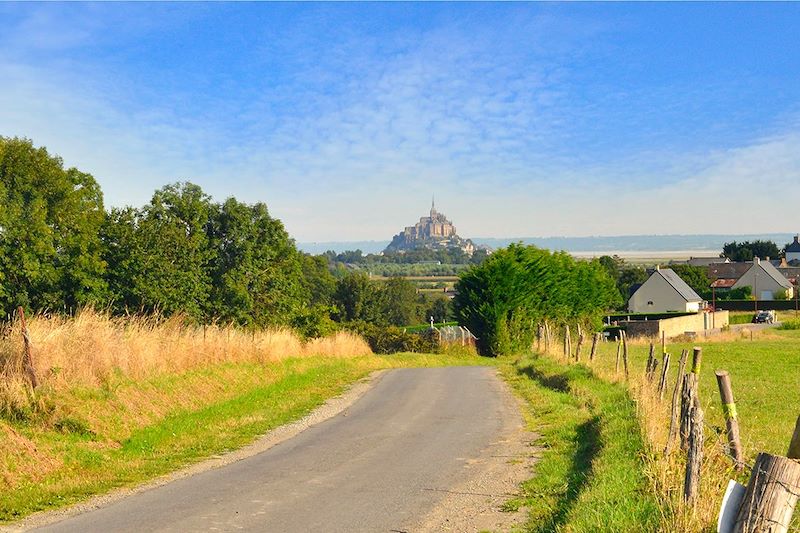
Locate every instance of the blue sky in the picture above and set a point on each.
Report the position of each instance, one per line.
(523, 119)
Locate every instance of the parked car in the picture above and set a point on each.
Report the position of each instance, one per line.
(764, 317)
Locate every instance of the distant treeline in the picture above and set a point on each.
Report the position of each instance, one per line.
(449, 256)
(182, 253)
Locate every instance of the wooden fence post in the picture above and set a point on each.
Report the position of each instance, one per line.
(770, 497)
(27, 356)
(549, 338)
(567, 347)
(697, 358)
(674, 418)
(539, 338)
(619, 352)
(648, 371)
(594, 346)
(794, 445)
(694, 458)
(731, 421)
(662, 384)
(688, 398)
(625, 352)
(578, 349)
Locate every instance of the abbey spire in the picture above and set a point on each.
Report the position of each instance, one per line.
(431, 232)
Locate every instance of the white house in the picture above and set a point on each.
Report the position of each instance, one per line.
(793, 250)
(765, 281)
(664, 291)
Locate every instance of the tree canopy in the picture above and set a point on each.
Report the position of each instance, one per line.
(503, 299)
(50, 251)
(747, 251)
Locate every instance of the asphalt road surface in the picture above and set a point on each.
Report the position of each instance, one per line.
(380, 465)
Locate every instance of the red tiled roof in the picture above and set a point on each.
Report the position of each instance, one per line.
(723, 283)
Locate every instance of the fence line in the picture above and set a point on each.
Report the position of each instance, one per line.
(774, 486)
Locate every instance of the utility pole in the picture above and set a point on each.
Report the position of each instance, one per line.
(755, 286)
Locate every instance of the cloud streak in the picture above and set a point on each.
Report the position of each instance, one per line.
(523, 120)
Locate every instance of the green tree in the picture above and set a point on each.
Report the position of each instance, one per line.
(440, 309)
(747, 251)
(160, 254)
(400, 306)
(695, 277)
(255, 269)
(503, 299)
(356, 298)
(50, 252)
(317, 279)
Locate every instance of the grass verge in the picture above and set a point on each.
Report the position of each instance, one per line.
(134, 430)
(591, 474)
(763, 369)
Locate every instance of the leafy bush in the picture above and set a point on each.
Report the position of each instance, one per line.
(790, 324)
(502, 300)
(391, 339)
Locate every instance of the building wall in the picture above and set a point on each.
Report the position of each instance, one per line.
(764, 286)
(664, 297)
(673, 327)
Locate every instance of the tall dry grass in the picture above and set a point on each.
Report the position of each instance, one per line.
(91, 348)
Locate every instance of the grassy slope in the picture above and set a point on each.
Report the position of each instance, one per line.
(590, 476)
(106, 439)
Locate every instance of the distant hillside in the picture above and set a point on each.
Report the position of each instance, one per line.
(624, 243)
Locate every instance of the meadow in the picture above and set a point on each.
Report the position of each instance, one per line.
(765, 374)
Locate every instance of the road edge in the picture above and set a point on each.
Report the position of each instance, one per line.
(330, 408)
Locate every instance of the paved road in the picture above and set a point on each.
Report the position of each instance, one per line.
(379, 466)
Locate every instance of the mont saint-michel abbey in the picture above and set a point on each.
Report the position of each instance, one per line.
(433, 232)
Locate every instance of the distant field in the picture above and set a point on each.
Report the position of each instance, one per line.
(412, 269)
(451, 279)
(746, 317)
(653, 257)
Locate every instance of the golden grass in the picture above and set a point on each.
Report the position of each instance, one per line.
(94, 349)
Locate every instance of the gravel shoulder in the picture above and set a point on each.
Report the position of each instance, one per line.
(494, 477)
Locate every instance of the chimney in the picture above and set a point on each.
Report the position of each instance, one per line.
(766, 259)
(797, 239)
(758, 261)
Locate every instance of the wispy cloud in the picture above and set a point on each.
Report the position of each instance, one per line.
(345, 119)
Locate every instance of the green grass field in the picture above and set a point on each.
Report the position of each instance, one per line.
(765, 374)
